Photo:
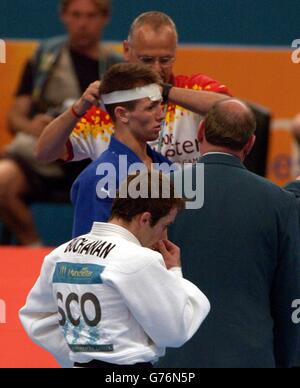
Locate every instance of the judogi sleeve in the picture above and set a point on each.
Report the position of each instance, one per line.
(169, 308)
(39, 317)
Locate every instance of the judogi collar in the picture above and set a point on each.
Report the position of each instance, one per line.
(102, 229)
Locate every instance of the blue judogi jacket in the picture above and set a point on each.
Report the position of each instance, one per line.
(102, 178)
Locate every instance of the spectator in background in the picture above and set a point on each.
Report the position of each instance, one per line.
(244, 250)
(152, 40)
(295, 161)
(59, 71)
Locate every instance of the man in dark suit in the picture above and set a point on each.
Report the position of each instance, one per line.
(243, 248)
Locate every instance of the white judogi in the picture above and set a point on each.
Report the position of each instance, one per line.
(103, 296)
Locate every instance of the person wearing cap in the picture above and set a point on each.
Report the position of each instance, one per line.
(105, 299)
(132, 96)
(152, 40)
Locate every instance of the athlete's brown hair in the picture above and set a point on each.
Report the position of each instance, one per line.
(158, 205)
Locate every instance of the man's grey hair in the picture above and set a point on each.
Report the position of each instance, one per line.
(155, 19)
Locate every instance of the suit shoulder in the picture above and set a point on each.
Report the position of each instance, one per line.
(270, 188)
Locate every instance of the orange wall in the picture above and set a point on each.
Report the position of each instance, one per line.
(264, 76)
(16, 55)
(22, 268)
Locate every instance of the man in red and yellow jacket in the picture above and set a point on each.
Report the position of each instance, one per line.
(84, 130)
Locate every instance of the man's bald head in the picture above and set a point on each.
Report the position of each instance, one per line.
(230, 123)
(154, 20)
(152, 40)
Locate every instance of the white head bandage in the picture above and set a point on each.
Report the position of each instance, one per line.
(151, 91)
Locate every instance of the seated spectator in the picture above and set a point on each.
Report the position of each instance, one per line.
(58, 73)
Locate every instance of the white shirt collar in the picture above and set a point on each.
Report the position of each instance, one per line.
(102, 229)
(218, 153)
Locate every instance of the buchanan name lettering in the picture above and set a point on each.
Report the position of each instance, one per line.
(84, 246)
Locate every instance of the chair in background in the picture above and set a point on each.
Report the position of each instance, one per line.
(256, 161)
